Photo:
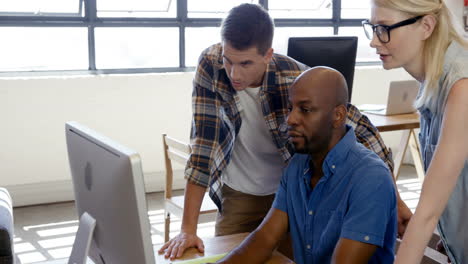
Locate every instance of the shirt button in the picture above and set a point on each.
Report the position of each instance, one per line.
(308, 246)
(311, 212)
(333, 166)
(366, 238)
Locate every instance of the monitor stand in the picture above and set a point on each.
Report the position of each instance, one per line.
(79, 254)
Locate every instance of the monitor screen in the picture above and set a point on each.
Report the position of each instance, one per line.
(108, 185)
(335, 52)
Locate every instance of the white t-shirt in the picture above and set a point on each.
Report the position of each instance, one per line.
(256, 164)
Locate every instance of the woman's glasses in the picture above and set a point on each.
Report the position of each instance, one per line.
(383, 31)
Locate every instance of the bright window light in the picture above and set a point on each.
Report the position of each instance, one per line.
(23, 247)
(300, 8)
(355, 9)
(198, 39)
(38, 7)
(31, 257)
(57, 231)
(32, 48)
(213, 8)
(282, 35)
(136, 8)
(137, 47)
(57, 242)
(365, 52)
(60, 252)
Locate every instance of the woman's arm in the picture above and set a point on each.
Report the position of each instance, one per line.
(441, 177)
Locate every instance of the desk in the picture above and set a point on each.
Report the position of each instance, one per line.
(213, 246)
(407, 123)
(219, 245)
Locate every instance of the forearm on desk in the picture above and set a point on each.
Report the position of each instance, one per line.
(192, 203)
(258, 246)
(254, 249)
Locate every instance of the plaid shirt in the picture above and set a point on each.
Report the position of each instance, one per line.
(216, 118)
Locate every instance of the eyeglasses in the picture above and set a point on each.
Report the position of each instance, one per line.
(383, 31)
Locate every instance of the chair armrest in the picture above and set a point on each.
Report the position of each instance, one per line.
(6, 228)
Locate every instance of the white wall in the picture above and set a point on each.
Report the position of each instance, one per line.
(134, 110)
(456, 8)
(131, 109)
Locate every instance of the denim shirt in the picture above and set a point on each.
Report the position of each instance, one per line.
(453, 223)
(355, 199)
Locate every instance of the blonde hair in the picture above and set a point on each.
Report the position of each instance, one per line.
(435, 46)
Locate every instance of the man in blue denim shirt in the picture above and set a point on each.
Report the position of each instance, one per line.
(336, 197)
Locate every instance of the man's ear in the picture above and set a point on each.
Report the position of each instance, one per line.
(268, 55)
(340, 115)
(428, 23)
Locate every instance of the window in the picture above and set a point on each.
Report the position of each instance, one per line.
(151, 35)
(355, 8)
(364, 53)
(212, 8)
(300, 8)
(136, 8)
(42, 49)
(197, 40)
(137, 47)
(282, 35)
(41, 7)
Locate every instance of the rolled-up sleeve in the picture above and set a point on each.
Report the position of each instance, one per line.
(205, 126)
(280, 201)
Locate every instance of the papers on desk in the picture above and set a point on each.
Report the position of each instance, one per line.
(209, 259)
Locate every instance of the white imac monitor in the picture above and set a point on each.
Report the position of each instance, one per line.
(110, 199)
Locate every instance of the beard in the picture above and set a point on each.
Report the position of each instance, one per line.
(304, 148)
(314, 145)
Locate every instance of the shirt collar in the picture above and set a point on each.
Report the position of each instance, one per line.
(269, 80)
(335, 157)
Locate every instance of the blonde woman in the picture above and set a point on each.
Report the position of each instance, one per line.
(419, 36)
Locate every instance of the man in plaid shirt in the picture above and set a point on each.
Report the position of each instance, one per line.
(238, 138)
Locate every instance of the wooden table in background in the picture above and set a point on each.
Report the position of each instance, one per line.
(220, 245)
(407, 123)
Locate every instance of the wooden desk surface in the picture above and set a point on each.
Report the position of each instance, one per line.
(220, 245)
(394, 122)
(213, 246)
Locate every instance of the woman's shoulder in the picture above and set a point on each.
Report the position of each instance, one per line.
(455, 65)
(456, 61)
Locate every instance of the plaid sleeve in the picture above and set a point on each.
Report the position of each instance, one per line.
(205, 121)
(368, 135)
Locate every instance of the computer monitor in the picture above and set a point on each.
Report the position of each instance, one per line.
(335, 52)
(109, 191)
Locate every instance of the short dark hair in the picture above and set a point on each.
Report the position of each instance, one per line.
(248, 25)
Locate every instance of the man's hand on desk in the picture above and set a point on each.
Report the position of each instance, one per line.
(176, 247)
